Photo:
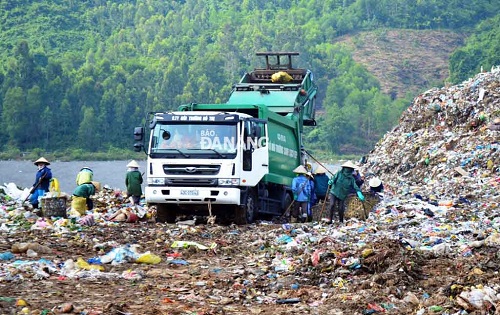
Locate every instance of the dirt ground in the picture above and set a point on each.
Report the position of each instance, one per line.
(322, 271)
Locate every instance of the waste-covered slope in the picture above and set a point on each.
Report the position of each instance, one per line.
(446, 146)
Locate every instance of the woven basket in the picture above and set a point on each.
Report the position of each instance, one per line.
(54, 207)
(354, 208)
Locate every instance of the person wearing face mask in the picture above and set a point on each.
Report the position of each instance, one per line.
(42, 181)
(342, 183)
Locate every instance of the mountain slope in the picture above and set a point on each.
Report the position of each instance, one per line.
(405, 61)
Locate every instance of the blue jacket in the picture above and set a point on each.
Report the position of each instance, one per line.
(47, 176)
(301, 188)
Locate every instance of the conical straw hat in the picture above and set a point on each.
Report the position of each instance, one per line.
(97, 185)
(42, 160)
(349, 164)
(374, 182)
(300, 169)
(133, 163)
(320, 170)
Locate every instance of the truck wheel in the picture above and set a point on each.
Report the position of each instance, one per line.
(164, 213)
(246, 213)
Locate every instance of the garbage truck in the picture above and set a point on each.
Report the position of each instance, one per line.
(233, 160)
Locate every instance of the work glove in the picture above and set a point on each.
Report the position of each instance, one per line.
(360, 196)
(295, 196)
(330, 182)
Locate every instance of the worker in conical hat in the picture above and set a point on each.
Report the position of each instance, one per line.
(81, 200)
(302, 193)
(42, 181)
(342, 182)
(133, 181)
(376, 185)
(321, 183)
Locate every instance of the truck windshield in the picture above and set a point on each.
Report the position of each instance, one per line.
(217, 140)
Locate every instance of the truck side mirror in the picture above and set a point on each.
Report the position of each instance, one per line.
(138, 147)
(138, 133)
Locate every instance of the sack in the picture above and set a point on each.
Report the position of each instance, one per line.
(79, 204)
(281, 77)
(54, 187)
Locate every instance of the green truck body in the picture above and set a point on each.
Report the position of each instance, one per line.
(234, 159)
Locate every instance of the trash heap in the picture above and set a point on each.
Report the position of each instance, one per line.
(446, 147)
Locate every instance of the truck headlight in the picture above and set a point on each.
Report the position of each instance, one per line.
(229, 181)
(156, 181)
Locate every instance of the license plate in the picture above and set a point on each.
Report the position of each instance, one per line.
(190, 192)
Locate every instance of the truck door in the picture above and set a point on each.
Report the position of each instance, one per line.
(255, 151)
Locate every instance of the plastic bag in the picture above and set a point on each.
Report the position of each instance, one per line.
(187, 244)
(148, 258)
(82, 264)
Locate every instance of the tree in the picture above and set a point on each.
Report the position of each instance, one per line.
(88, 139)
(14, 119)
(482, 50)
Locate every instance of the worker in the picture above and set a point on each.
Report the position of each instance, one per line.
(342, 182)
(376, 185)
(301, 189)
(358, 178)
(133, 181)
(321, 183)
(86, 175)
(42, 181)
(81, 200)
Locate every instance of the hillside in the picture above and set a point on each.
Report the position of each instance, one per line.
(405, 61)
(97, 66)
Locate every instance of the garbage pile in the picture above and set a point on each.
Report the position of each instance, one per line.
(446, 148)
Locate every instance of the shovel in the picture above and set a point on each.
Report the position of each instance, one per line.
(33, 189)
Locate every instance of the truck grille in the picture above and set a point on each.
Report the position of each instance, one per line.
(191, 169)
(191, 182)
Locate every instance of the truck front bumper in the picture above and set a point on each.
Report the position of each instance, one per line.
(190, 195)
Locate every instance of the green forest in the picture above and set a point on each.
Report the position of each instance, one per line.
(78, 76)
